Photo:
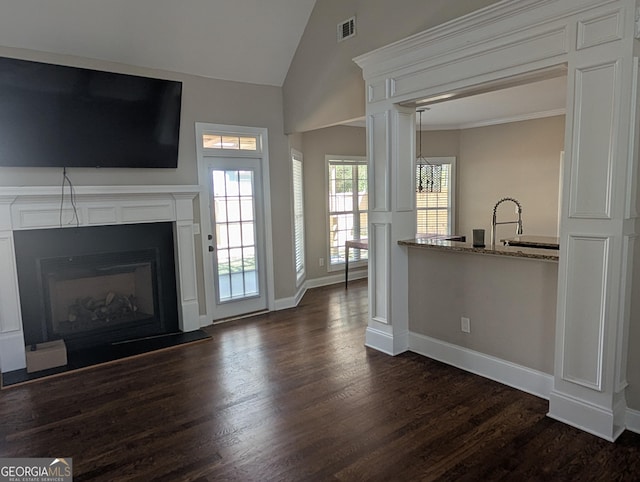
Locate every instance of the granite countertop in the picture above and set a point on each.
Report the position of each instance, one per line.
(499, 250)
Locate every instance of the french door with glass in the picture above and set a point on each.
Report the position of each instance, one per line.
(236, 239)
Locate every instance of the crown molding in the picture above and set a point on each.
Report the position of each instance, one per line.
(431, 42)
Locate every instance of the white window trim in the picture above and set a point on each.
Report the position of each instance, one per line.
(327, 159)
(452, 192)
(296, 156)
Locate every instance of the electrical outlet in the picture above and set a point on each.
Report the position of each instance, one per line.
(320, 261)
(465, 325)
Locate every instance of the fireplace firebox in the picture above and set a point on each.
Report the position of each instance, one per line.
(97, 285)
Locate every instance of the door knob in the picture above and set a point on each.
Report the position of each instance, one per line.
(211, 249)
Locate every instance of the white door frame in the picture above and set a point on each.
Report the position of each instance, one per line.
(261, 153)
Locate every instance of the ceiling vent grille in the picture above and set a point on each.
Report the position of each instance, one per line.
(347, 29)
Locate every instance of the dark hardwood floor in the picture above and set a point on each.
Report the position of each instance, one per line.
(295, 396)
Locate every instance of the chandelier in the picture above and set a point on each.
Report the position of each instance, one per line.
(428, 175)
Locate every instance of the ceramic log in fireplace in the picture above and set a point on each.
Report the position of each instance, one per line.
(97, 285)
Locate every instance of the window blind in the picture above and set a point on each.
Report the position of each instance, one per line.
(298, 217)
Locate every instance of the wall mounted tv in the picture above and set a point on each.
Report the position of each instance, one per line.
(58, 116)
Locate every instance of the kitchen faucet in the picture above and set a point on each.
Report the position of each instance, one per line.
(495, 223)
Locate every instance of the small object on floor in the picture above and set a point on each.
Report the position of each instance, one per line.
(46, 355)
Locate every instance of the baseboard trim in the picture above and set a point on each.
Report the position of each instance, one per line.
(292, 301)
(379, 340)
(585, 416)
(632, 420)
(205, 321)
(526, 379)
(335, 279)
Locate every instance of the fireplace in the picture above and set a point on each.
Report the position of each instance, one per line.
(85, 294)
(40, 208)
(97, 285)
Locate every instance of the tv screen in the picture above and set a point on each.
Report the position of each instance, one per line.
(57, 116)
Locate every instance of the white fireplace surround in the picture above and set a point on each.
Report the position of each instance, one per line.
(40, 208)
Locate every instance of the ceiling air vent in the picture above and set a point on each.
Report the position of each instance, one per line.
(347, 29)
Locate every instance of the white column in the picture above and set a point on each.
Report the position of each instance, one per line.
(188, 310)
(391, 152)
(594, 284)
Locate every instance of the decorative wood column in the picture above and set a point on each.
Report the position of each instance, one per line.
(391, 153)
(184, 236)
(598, 226)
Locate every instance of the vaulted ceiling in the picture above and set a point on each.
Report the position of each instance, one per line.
(241, 40)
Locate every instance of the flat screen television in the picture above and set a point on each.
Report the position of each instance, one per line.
(59, 116)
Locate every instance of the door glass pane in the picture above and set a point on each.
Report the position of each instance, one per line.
(231, 183)
(246, 209)
(247, 234)
(245, 182)
(235, 235)
(220, 210)
(234, 201)
(222, 236)
(233, 209)
(218, 183)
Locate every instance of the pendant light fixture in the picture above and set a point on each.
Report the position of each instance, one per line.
(429, 176)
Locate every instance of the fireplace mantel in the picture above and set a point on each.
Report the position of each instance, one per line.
(39, 207)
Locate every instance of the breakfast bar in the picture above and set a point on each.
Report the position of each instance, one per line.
(513, 249)
(499, 301)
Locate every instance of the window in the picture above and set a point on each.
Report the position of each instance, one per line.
(348, 207)
(435, 184)
(230, 141)
(298, 214)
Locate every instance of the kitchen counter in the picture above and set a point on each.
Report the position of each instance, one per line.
(463, 247)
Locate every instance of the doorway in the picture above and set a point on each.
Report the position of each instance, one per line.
(234, 220)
